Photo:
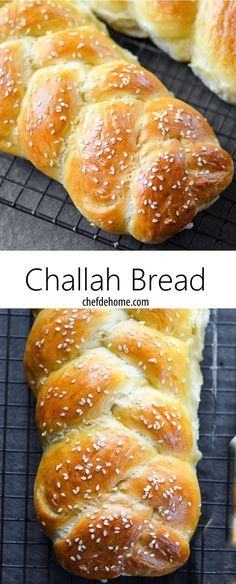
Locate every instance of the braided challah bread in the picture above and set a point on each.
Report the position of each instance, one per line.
(117, 396)
(202, 32)
(82, 110)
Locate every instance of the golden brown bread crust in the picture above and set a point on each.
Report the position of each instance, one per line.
(130, 534)
(202, 32)
(171, 322)
(152, 355)
(35, 18)
(171, 20)
(214, 50)
(133, 159)
(117, 394)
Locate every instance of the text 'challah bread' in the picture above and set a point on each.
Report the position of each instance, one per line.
(81, 109)
(202, 32)
(117, 397)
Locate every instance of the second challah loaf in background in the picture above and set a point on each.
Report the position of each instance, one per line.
(202, 32)
(133, 158)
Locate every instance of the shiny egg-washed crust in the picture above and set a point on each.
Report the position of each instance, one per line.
(133, 158)
(117, 396)
(202, 32)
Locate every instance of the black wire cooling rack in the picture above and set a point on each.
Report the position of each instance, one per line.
(26, 554)
(27, 190)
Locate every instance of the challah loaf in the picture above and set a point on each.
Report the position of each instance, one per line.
(170, 23)
(214, 48)
(81, 109)
(202, 32)
(117, 395)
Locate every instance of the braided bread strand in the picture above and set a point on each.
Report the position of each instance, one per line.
(202, 32)
(117, 395)
(133, 159)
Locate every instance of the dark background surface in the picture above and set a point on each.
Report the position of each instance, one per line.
(27, 556)
(35, 212)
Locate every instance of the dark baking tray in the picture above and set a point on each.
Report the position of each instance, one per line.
(26, 554)
(25, 189)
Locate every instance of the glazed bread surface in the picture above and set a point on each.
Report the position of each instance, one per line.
(133, 158)
(202, 32)
(214, 49)
(117, 397)
(169, 23)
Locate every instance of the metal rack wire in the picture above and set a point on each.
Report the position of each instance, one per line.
(26, 554)
(25, 189)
